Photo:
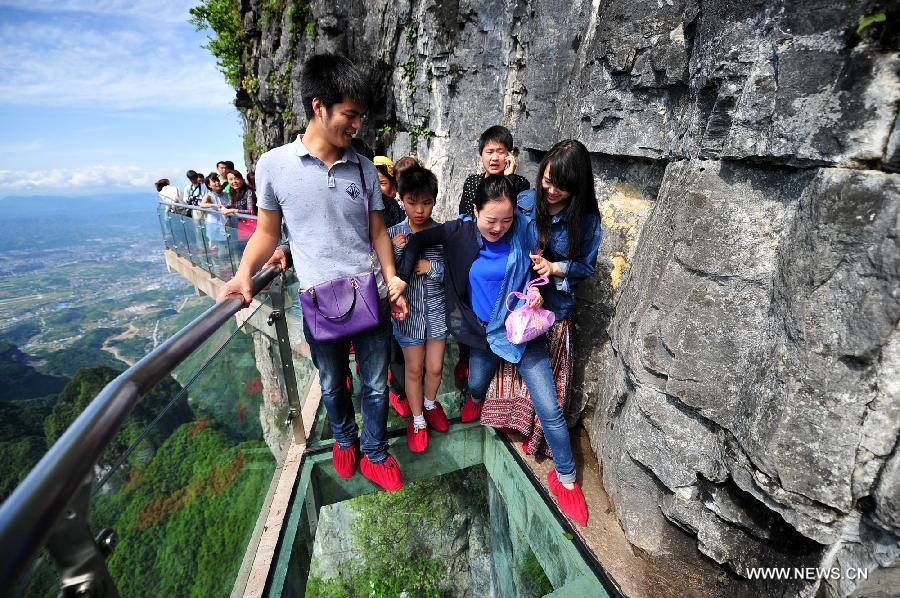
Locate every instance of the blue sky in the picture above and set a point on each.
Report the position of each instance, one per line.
(108, 95)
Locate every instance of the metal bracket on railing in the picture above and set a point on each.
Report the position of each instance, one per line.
(80, 559)
(285, 357)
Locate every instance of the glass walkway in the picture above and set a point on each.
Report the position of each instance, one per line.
(205, 469)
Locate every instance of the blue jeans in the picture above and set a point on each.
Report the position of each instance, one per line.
(373, 351)
(538, 376)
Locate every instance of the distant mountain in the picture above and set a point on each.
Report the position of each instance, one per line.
(84, 207)
(19, 381)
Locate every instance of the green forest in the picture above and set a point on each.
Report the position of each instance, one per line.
(185, 499)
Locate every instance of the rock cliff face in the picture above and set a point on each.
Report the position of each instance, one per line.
(739, 353)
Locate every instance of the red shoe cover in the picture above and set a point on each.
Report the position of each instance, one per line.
(417, 441)
(461, 372)
(570, 501)
(525, 448)
(471, 411)
(390, 377)
(345, 460)
(401, 406)
(349, 382)
(437, 419)
(386, 474)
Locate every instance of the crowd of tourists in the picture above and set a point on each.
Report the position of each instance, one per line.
(223, 195)
(382, 278)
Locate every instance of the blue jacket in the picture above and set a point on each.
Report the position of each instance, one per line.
(559, 294)
(462, 242)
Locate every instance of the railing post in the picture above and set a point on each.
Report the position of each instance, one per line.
(277, 317)
(201, 226)
(171, 231)
(79, 559)
(187, 242)
(228, 246)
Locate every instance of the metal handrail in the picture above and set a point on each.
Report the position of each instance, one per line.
(210, 210)
(44, 497)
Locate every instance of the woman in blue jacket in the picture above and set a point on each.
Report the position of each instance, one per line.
(486, 258)
(567, 226)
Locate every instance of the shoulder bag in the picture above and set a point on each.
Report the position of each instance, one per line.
(344, 306)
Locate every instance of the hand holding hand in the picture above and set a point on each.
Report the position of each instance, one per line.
(423, 267)
(396, 288)
(278, 259)
(399, 240)
(399, 308)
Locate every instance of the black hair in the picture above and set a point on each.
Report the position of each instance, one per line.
(229, 164)
(497, 133)
(383, 169)
(162, 183)
(403, 164)
(570, 170)
(495, 187)
(191, 175)
(418, 182)
(362, 148)
(224, 163)
(332, 78)
(212, 176)
(235, 195)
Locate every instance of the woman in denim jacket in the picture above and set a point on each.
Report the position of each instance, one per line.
(567, 227)
(486, 258)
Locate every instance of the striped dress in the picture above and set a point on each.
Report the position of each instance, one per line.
(425, 295)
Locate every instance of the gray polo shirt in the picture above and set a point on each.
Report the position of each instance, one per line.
(328, 227)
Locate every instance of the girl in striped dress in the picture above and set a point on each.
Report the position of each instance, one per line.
(423, 334)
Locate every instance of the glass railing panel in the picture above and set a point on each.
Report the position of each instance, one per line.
(186, 483)
(218, 249)
(162, 212)
(40, 580)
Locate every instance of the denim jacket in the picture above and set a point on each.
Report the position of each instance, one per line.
(559, 295)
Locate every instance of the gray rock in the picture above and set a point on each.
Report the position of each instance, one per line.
(736, 352)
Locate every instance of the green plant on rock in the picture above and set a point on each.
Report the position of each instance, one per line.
(868, 21)
(269, 9)
(251, 83)
(223, 18)
(287, 116)
(386, 129)
(410, 34)
(311, 31)
(251, 146)
(298, 13)
(417, 132)
(409, 73)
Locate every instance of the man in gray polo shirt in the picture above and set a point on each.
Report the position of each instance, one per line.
(314, 184)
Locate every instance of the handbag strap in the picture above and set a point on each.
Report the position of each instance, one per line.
(534, 283)
(365, 192)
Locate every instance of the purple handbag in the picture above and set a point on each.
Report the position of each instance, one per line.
(344, 306)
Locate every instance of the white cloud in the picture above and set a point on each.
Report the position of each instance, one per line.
(108, 63)
(112, 177)
(171, 11)
(22, 147)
